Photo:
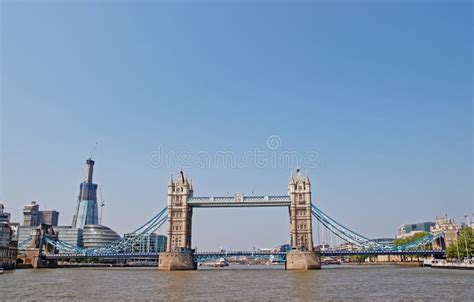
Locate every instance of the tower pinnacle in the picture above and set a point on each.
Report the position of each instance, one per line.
(89, 171)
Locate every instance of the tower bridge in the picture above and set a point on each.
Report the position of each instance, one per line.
(44, 246)
(181, 201)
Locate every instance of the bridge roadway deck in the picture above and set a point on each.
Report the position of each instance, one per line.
(239, 201)
(325, 253)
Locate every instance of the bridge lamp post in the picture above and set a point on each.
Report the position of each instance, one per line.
(457, 247)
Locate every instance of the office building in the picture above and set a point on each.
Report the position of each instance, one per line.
(24, 237)
(8, 242)
(148, 243)
(71, 236)
(407, 230)
(49, 217)
(96, 236)
(4, 217)
(32, 216)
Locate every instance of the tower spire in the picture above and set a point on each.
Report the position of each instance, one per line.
(89, 170)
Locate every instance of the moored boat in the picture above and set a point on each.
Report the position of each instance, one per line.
(467, 263)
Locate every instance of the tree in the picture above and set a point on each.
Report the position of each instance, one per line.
(410, 239)
(465, 239)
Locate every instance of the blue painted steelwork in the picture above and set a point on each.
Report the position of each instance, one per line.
(206, 256)
(239, 201)
(428, 252)
(119, 246)
(24, 244)
(350, 236)
(341, 231)
(67, 256)
(280, 256)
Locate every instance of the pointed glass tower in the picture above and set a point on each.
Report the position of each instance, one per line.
(87, 211)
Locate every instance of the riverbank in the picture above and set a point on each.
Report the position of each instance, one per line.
(409, 264)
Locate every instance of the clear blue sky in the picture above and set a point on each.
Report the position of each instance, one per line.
(382, 91)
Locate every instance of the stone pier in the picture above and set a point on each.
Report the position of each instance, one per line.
(296, 260)
(176, 261)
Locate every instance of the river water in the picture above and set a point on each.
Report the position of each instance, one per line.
(255, 283)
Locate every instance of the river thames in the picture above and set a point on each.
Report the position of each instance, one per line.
(263, 283)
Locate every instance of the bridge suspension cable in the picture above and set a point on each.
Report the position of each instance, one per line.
(350, 236)
(341, 231)
(123, 244)
(24, 244)
(120, 245)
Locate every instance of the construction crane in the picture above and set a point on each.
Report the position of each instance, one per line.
(102, 204)
(93, 150)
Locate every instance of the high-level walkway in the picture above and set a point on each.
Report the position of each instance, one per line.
(246, 201)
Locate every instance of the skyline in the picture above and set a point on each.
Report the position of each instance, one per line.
(381, 94)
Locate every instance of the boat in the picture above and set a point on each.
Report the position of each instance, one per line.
(467, 263)
(329, 260)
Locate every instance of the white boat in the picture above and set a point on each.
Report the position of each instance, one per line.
(466, 264)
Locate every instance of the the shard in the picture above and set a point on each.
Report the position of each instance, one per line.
(87, 211)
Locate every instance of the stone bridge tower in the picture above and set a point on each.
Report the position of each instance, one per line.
(302, 255)
(178, 255)
(301, 228)
(38, 246)
(179, 214)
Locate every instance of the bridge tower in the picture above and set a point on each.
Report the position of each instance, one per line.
(301, 229)
(302, 255)
(38, 246)
(178, 255)
(179, 214)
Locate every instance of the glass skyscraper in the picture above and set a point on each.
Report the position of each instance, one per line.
(87, 211)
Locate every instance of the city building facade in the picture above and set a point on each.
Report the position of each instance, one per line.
(32, 216)
(95, 236)
(407, 230)
(4, 216)
(49, 217)
(148, 243)
(70, 235)
(8, 241)
(24, 237)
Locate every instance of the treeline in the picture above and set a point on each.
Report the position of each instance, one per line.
(464, 245)
(410, 239)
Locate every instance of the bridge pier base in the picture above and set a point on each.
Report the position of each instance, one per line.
(32, 257)
(176, 261)
(297, 260)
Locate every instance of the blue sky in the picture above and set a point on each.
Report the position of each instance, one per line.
(380, 91)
